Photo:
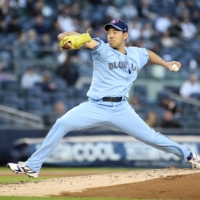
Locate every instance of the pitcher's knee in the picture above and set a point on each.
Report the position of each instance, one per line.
(64, 123)
(60, 121)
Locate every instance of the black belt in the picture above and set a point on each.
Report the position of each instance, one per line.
(112, 99)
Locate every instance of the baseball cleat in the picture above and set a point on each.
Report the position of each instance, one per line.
(195, 161)
(21, 168)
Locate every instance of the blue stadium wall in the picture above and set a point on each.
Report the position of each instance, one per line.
(94, 148)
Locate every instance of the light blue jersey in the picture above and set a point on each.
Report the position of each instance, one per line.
(114, 72)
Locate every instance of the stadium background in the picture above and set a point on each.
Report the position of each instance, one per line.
(29, 30)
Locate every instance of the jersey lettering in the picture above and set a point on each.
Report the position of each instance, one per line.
(135, 68)
(115, 65)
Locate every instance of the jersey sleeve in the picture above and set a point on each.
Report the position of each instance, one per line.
(143, 56)
(99, 52)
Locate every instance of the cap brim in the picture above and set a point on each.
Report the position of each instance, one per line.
(107, 26)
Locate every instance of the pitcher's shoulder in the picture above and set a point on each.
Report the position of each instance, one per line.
(101, 46)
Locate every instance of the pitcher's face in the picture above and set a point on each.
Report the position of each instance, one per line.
(116, 38)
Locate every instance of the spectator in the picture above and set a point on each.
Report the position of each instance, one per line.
(59, 110)
(64, 19)
(129, 11)
(55, 30)
(47, 84)
(32, 43)
(75, 10)
(182, 10)
(195, 18)
(162, 23)
(41, 8)
(147, 31)
(168, 120)
(189, 29)
(17, 6)
(192, 6)
(113, 11)
(152, 119)
(134, 102)
(175, 29)
(4, 76)
(135, 30)
(29, 8)
(39, 25)
(38, 7)
(30, 78)
(46, 46)
(190, 87)
(144, 10)
(170, 105)
(14, 26)
(194, 63)
(5, 8)
(86, 25)
(68, 71)
(22, 48)
(166, 40)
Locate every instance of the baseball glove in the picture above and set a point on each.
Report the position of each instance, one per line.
(76, 40)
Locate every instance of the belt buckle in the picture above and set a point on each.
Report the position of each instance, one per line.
(110, 99)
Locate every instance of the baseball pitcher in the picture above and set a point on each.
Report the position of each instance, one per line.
(115, 68)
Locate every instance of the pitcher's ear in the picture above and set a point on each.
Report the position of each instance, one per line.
(126, 35)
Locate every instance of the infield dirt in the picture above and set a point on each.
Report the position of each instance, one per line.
(170, 183)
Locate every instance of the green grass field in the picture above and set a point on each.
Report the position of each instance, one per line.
(14, 179)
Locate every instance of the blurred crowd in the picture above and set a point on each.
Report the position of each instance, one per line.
(29, 30)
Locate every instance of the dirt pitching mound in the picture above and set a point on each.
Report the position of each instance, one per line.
(171, 183)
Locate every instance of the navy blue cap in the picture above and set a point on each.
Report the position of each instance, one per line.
(117, 24)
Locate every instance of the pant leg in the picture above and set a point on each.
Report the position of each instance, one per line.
(85, 115)
(125, 118)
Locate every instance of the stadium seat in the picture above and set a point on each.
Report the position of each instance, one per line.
(34, 104)
(6, 95)
(57, 96)
(172, 89)
(195, 96)
(11, 85)
(15, 102)
(81, 93)
(140, 90)
(32, 92)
